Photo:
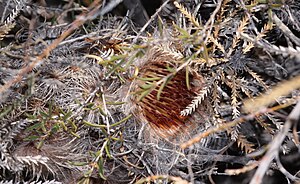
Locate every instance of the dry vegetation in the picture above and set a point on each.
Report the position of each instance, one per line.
(130, 91)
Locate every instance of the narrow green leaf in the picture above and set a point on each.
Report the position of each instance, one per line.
(35, 126)
(147, 86)
(100, 168)
(41, 143)
(184, 33)
(101, 110)
(187, 78)
(107, 149)
(171, 69)
(117, 57)
(115, 103)
(121, 78)
(162, 86)
(78, 163)
(149, 78)
(55, 128)
(117, 66)
(63, 125)
(29, 116)
(73, 125)
(88, 174)
(205, 52)
(160, 27)
(67, 115)
(31, 138)
(115, 138)
(93, 125)
(74, 134)
(144, 93)
(89, 105)
(44, 114)
(121, 121)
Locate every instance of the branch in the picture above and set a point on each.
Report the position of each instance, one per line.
(226, 126)
(275, 145)
(80, 20)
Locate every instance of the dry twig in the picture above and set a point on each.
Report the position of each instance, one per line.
(81, 19)
(275, 145)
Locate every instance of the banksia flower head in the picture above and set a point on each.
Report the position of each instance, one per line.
(161, 91)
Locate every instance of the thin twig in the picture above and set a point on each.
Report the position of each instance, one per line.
(38, 60)
(189, 166)
(149, 21)
(286, 30)
(211, 19)
(275, 145)
(233, 123)
(4, 11)
(284, 171)
(110, 6)
(78, 38)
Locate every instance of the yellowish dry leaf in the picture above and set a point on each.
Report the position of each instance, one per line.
(284, 88)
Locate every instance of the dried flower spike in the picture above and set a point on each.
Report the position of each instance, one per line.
(161, 93)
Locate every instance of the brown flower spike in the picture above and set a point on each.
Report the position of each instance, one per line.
(159, 105)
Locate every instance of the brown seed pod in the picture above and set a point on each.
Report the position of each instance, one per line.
(161, 92)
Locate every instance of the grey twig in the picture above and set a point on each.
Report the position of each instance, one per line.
(283, 170)
(275, 145)
(110, 6)
(149, 21)
(286, 30)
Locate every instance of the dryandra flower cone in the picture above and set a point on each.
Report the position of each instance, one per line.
(162, 91)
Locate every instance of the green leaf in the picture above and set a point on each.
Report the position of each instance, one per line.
(31, 138)
(149, 78)
(41, 143)
(31, 117)
(115, 103)
(44, 114)
(160, 27)
(55, 128)
(184, 33)
(162, 86)
(73, 125)
(121, 78)
(101, 110)
(117, 57)
(107, 149)
(147, 86)
(74, 134)
(78, 163)
(67, 115)
(100, 168)
(93, 125)
(187, 78)
(144, 93)
(5, 111)
(171, 69)
(89, 105)
(35, 126)
(63, 125)
(121, 121)
(117, 66)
